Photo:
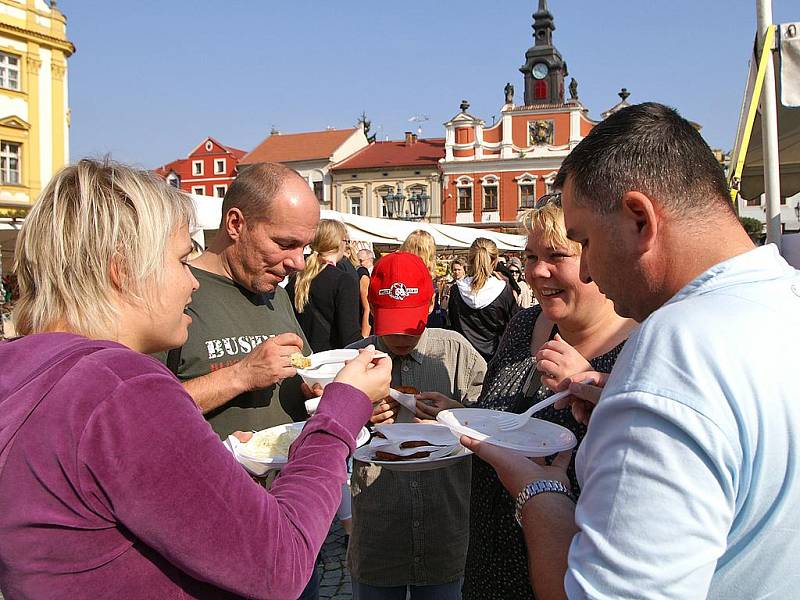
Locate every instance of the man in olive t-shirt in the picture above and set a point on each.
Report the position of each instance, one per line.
(236, 363)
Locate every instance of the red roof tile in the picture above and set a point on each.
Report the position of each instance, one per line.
(288, 147)
(425, 152)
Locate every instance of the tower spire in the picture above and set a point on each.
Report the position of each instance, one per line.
(544, 69)
(543, 25)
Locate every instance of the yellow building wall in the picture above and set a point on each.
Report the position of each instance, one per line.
(35, 116)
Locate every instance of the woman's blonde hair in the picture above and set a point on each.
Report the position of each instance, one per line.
(482, 256)
(421, 243)
(92, 215)
(547, 222)
(327, 240)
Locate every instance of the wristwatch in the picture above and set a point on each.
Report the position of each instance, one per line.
(534, 488)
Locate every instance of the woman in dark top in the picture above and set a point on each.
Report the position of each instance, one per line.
(481, 305)
(542, 346)
(325, 299)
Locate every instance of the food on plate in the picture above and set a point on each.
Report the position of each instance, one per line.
(388, 456)
(270, 443)
(299, 361)
(407, 389)
(414, 444)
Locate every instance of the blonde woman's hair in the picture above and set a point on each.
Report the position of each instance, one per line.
(421, 243)
(327, 240)
(482, 256)
(89, 216)
(547, 222)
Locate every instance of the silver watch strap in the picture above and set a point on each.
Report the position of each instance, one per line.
(534, 488)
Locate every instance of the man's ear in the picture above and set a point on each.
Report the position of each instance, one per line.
(640, 216)
(234, 223)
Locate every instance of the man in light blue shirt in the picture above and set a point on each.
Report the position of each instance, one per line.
(690, 470)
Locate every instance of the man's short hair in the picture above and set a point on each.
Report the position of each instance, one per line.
(365, 253)
(651, 149)
(255, 187)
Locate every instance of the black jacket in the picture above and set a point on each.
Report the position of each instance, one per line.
(330, 317)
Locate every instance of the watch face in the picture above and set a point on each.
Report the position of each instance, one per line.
(540, 70)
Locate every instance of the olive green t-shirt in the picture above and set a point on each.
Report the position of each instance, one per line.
(228, 321)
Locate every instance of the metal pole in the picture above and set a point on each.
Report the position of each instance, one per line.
(769, 131)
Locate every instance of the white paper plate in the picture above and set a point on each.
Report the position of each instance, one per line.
(260, 466)
(334, 362)
(401, 432)
(535, 438)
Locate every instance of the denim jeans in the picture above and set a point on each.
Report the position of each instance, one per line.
(312, 587)
(444, 591)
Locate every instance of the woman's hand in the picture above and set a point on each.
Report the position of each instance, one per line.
(585, 389)
(430, 404)
(368, 374)
(556, 360)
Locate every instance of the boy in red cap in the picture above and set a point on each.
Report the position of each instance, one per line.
(410, 529)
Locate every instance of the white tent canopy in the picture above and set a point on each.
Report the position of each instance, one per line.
(787, 82)
(373, 229)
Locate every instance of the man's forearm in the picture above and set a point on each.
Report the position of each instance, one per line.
(548, 522)
(215, 389)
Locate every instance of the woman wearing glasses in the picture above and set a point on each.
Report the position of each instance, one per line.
(525, 296)
(573, 329)
(326, 299)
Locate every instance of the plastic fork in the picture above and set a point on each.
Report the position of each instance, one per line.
(512, 422)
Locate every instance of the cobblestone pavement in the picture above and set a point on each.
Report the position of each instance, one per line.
(335, 578)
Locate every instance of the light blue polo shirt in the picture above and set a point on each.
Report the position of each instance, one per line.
(689, 470)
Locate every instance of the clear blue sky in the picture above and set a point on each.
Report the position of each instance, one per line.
(152, 78)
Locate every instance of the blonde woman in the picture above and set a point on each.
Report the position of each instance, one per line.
(111, 482)
(325, 298)
(481, 305)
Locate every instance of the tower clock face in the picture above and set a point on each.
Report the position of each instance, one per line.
(539, 70)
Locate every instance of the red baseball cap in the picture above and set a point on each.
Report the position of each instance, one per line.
(400, 292)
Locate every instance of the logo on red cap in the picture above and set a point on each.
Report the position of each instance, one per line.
(398, 291)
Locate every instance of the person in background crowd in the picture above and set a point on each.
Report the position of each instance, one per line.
(457, 273)
(574, 329)
(410, 528)
(112, 484)
(421, 243)
(235, 360)
(324, 298)
(365, 260)
(525, 297)
(481, 305)
(690, 470)
(457, 269)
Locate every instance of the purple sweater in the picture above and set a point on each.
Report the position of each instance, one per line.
(115, 485)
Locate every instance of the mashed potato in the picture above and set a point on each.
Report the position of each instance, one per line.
(270, 443)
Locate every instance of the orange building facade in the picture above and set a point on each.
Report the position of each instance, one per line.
(491, 174)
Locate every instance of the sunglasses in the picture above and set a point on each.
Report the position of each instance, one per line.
(552, 198)
(515, 271)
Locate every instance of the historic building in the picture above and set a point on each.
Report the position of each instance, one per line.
(369, 181)
(490, 174)
(34, 107)
(311, 154)
(208, 170)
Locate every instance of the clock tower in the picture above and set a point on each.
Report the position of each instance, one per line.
(544, 69)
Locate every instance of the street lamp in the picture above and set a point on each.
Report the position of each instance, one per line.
(797, 211)
(419, 205)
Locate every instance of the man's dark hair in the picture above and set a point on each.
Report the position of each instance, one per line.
(254, 188)
(651, 149)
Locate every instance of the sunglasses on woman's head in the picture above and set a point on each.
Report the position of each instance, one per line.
(552, 198)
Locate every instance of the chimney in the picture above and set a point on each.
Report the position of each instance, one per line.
(409, 138)
(413, 138)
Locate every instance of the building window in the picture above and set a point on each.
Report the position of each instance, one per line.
(197, 167)
(783, 200)
(465, 199)
(540, 89)
(200, 190)
(9, 71)
(219, 190)
(754, 202)
(490, 197)
(355, 204)
(527, 195)
(9, 162)
(219, 166)
(383, 207)
(319, 191)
